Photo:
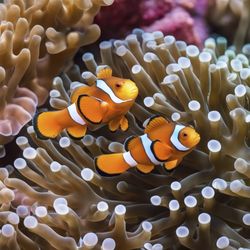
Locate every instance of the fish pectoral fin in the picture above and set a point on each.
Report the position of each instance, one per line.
(124, 123)
(91, 108)
(77, 131)
(172, 164)
(145, 168)
(161, 151)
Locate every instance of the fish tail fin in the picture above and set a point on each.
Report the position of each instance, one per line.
(111, 164)
(46, 124)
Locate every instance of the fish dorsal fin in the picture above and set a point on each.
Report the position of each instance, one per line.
(104, 73)
(155, 122)
(130, 142)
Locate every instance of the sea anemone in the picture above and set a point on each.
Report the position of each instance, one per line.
(38, 40)
(59, 201)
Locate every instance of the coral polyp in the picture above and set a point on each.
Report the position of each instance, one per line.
(59, 201)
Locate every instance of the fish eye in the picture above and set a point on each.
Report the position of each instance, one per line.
(185, 134)
(118, 85)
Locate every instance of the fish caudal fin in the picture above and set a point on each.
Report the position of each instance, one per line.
(46, 125)
(77, 131)
(111, 163)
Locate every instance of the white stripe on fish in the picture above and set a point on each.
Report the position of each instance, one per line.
(74, 114)
(175, 138)
(105, 88)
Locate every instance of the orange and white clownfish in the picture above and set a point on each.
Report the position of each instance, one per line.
(106, 101)
(163, 142)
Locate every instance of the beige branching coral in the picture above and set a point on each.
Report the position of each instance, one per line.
(38, 40)
(59, 201)
(231, 17)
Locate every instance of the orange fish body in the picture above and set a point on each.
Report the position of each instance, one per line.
(163, 142)
(104, 102)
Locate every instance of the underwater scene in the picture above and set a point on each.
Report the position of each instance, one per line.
(124, 124)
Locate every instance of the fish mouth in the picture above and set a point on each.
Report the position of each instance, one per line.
(197, 139)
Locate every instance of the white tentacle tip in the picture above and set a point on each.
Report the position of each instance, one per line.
(219, 184)
(246, 219)
(120, 210)
(223, 242)
(87, 174)
(214, 146)
(108, 244)
(175, 186)
(30, 222)
(182, 232)
(147, 226)
(90, 240)
(155, 200)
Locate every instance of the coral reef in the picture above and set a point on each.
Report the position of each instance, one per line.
(183, 19)
(231, 18)
(58, 201)
(38, 40)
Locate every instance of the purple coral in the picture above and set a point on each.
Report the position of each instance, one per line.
(183, 19)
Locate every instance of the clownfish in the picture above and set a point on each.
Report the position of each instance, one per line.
(163, 142)
(106, 101)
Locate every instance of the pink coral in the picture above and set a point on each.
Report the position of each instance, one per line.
(177, 21)
(151, 11)
(17, 113)
(180, 18)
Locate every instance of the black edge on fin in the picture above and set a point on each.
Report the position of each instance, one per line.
(140, 172)
(152, 149)
(127, 142)
(156, 116)
(73, 137)
(152, 118)
(36, 129)
(100, 172)
(169, 171)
